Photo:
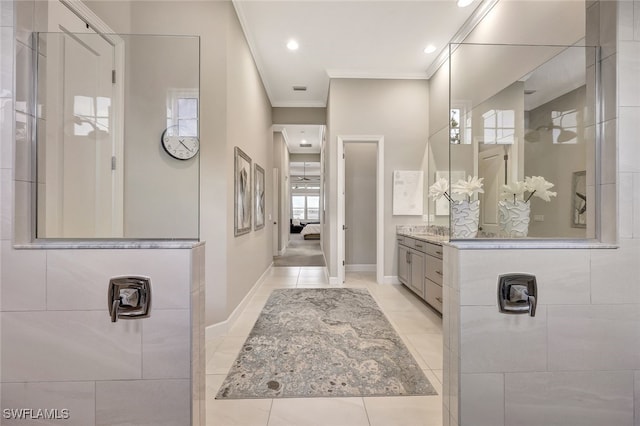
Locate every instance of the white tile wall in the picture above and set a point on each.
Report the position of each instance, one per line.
(628, 69)
(629, 138)
(609, 213)
(592, 398)
(6, 132)
(615, 274)
(500, 342)
(24, 11)
(6, 62)
(87, 272)
(72, 345)
(166, 340)
(143, 403)
(6, 203)
(76, 397)
(6, 14)
(636, 20)
(625, 20)
(484, 399)
(23, 279)
(594, 337)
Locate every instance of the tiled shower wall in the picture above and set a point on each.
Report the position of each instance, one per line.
(59, 349)
(577, 362)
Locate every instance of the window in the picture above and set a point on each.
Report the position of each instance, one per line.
(499, 126)
(182, 111)
(305, 201)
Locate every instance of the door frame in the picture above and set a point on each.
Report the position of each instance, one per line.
(379, 141)
(102, 29)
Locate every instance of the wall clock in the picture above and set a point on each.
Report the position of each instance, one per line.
(179, 147)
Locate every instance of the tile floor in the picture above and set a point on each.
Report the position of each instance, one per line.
(419, 327)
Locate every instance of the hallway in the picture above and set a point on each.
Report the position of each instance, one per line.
(418, 326)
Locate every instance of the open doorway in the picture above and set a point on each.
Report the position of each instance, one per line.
(301, 206)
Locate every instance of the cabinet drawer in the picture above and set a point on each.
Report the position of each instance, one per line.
(433, 250)
(433, 269)
(420, 245)
(433, 295)
(400, 239)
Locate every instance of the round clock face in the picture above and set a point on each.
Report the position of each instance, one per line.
(179, 147)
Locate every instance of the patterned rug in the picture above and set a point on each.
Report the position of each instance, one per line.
(323, 343)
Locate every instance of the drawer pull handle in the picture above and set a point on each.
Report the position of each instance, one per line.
(419, 245)
(439, 299)
(439, 273)
(438, 252)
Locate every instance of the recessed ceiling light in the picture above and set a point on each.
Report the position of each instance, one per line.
(464, 3)
(292, 45)
(430, 49)
(303, 141)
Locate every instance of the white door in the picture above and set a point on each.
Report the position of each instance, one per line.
(80, 133)
(491, 168)
(276, 213)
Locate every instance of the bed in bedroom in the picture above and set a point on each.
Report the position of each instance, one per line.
(311, 231)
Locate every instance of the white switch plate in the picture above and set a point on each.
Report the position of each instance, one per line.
(425, 218)
(538, 218)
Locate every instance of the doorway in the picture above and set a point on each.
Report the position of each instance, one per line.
(377, 142)
(360, 206)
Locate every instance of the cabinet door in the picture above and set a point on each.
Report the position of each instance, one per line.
(417, 273)
(403, 264)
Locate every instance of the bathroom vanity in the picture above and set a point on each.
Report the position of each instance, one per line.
(420, 266)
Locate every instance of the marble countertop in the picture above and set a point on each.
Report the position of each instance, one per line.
(428, 238)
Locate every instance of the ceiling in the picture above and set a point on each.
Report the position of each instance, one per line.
(344, 39)
(295, 135)
(306, 169)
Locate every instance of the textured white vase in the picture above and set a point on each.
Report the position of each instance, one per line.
(513, 218)
(464, 219)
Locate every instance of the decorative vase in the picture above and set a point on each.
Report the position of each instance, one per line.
(513, 218)
(465, 216)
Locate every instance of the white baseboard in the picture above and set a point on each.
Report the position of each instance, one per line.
(221, 328)
(334, 281)
(391, 279)
(360, 268)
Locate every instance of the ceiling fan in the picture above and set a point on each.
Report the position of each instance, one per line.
(304, 173)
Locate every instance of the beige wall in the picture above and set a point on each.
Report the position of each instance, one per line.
(309, 158)
(360, 203)
(556, 162)
(282, 115)
(395, 109)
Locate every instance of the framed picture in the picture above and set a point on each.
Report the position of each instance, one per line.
(242, 192)
(579, 199)
(258, 196)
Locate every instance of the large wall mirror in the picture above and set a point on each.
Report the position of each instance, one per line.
(117, 140)
(522, 118)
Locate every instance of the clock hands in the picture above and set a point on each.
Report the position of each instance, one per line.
(182, 143)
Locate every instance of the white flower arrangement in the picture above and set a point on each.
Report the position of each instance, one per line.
(469, 187)
(535, 185)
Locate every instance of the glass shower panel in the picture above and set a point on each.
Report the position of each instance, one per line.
(526, 120)
(102, 170)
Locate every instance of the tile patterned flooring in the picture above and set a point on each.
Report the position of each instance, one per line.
(418, 326)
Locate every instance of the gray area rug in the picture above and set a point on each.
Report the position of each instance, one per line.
(301, 253)
(323, 343)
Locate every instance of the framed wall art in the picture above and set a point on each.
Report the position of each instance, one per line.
(258, 196)
(242, 192)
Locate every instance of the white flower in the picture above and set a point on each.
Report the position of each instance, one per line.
(534, 185)
(539, 187)
(468, 187)
(513, 190)
(439, 189)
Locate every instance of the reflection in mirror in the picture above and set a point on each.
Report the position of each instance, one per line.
(102, 169)
(527, 129)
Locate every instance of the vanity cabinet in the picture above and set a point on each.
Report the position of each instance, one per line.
(420, 269)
